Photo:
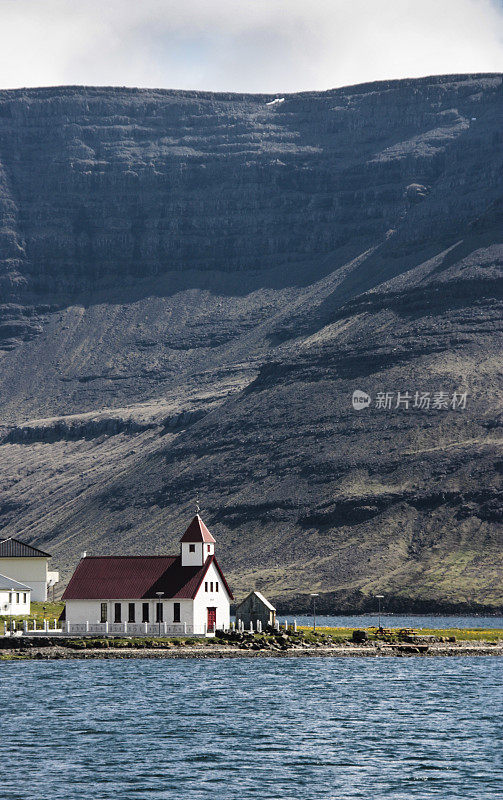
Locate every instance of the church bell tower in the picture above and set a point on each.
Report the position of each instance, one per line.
(196, 544)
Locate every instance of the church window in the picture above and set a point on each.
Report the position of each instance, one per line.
(130, 612)
(117, 612)
(206, 586)
(211, 586)
(192, 548)
(24, 597)
(216, 586)
(209, 548)
(104, 612)
(176, 612)
(144, 612)
(10, 597)
(158, 612)
(17, 597)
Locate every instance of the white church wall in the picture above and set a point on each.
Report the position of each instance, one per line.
(208, 549)
(189, 558)
(212, 599)
(81, 611)
(196, 558)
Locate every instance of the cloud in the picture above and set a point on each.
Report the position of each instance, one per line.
(244, 45)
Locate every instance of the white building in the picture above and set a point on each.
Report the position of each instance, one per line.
(14, 597)
(187, 593)
(28, 565)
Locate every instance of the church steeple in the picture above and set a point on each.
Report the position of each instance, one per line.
(196, 544)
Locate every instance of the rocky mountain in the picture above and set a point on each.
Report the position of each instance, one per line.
(194, 285)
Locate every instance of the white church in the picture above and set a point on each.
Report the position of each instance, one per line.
(183, 594)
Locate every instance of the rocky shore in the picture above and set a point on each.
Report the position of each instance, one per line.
(50, 648)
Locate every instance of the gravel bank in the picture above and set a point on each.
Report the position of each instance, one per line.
(63, 653)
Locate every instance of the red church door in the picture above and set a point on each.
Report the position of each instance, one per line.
(212, 619)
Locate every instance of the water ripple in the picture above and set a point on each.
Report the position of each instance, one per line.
(309, 729)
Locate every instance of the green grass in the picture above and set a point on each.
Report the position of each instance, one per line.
(52, 612)
(461, 634)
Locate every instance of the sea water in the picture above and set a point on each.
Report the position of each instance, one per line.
(235, 729)
(437, 622)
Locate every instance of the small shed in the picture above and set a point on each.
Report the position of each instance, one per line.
(256, 607)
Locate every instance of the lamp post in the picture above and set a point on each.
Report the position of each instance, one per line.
(44, 610)
(159, 607)
(379, 597)
(6, 610)
(314, 595)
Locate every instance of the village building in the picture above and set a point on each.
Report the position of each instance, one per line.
(14, 597)
(186, 593)
(255, 608)
(28, 565)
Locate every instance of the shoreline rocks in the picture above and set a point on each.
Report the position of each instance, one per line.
(170, 650)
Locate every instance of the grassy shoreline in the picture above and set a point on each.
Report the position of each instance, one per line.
(461, 634)
(325, 641)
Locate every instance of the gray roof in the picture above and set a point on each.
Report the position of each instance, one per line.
(7, 584)
(261, 598)
(13, 548)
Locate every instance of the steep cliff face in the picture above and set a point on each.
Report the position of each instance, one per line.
(201, 281)
(106, 184)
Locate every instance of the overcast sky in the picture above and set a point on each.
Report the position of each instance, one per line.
(268, 46)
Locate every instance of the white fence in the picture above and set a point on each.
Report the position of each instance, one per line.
(50, 627)
(135, 628)
(16, 628)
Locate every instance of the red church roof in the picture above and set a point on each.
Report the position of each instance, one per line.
(197, 532)
(137, 577)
